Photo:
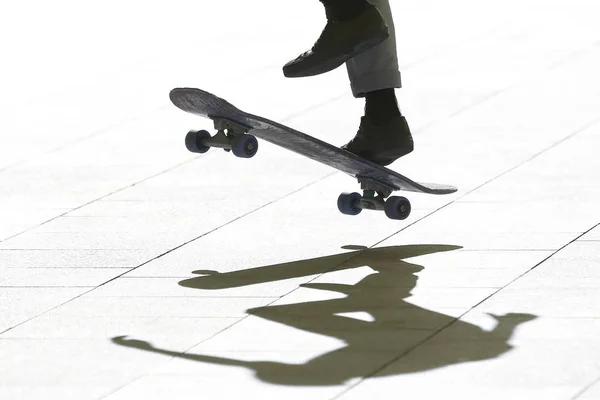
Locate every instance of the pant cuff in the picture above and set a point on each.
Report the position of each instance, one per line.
(375, 81)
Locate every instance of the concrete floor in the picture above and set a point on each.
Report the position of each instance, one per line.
(133, 269)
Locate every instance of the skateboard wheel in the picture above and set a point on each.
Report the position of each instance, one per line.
(397, 207)
(193, 141)
(348, 203)
(244, 146)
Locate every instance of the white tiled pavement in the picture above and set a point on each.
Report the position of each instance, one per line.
(133, 269)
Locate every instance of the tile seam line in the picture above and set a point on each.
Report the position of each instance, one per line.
(169, 251)
(416, 346)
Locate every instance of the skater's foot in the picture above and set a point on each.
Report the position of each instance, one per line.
(382, 144)
(383, 135)
(341, 40)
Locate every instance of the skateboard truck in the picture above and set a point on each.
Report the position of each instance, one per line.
(374, 198)
(373, 186)
(235, 139)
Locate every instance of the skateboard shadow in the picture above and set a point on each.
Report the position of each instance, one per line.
(381, 344)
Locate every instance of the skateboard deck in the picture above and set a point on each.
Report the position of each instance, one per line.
(243, 127)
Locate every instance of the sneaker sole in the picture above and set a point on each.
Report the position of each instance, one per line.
(386, 159)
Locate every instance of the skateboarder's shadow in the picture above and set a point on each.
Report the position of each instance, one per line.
(383, 342)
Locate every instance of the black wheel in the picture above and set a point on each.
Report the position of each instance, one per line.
(193, 141)
(348, 203)
(397, 207)
(244, 146)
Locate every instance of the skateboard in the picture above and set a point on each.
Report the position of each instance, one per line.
(237, 132)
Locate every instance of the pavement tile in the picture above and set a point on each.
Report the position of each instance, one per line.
(527, 328)
(48, 392)
(117, 224)
(560, 273)
(65, 258)
(324, 333)
(580, 251)
(444, 269)
(591, 393)
(179, 333)
(393, 298)
(574, 266)
(30, 217)
(93, 241)
(177, 307)
(58, 277)
(480, 260)
(218, 386)
(255, 334)
(572, 301)
(471, 390)
(42, 362)
(192, 287)
(594, 235)
(505, 218)
(19, 304)
(491, 368)
(277, 248)
(518, 241)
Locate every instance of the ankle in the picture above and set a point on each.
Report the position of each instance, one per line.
(344, 10)
(381, 106)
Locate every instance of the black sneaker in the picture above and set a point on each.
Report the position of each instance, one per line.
(382, 144)
(339, 42)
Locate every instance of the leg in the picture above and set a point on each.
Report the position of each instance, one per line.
(383, 135)
(376, 68)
